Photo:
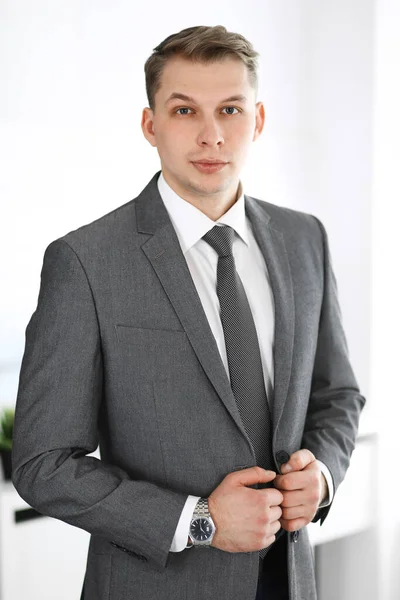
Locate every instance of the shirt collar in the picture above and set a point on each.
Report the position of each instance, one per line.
(191, 224)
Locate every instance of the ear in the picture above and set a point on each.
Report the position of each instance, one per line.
(148, 126)
(260, 120)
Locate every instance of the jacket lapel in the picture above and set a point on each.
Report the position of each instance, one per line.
(272, 245)
(164, 252)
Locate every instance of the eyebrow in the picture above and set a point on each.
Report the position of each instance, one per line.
(178, 96)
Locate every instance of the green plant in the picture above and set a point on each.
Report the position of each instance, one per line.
(6, 428)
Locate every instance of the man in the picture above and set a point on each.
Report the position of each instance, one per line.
(194, 333)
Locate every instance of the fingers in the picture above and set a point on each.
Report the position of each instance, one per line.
(300, 505)
(272, 525)
(298, 461)
(294, 524)
(293, 481)
(290, 499)
(275, 513)
(294, 512)
(252, 475)
(273, 530)
(298, 480)
(274, 496)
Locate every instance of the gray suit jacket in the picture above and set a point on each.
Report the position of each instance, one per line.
(119, 353)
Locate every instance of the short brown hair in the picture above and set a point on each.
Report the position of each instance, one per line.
(199, 44)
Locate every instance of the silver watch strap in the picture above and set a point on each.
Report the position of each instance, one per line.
(201, 508)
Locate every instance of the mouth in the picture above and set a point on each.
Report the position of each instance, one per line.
(209, 166)
(210, 161)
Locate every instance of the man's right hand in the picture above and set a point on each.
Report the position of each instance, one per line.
(246, 519)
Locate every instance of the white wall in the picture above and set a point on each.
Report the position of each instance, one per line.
(385, 355)
(72, 149)
(338, 162)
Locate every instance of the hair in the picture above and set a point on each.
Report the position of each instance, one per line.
(199, 44)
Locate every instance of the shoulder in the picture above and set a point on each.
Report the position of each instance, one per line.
(100, 236)
(291, 223)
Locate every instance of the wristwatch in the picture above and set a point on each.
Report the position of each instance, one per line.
(202, 527)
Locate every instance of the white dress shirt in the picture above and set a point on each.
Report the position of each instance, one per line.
(191, 225)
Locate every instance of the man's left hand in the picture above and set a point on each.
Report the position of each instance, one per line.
(303, 486)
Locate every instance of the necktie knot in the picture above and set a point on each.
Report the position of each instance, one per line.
(221, 239)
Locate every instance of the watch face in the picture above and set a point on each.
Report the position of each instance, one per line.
(201, 529)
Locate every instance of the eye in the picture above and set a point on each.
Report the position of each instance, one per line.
(234, 108)
(183, 108)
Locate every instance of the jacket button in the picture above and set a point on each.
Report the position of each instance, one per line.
(282, 457)
(294, 536)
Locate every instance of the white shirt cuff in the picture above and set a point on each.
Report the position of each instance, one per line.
(327, 474)
(180, 540)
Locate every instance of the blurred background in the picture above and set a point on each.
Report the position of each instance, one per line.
(71, 149)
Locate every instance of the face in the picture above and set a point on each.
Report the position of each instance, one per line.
(204, 126)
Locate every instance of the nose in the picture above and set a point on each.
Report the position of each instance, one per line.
(210, 134)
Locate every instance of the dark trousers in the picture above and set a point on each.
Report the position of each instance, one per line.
(273, 575)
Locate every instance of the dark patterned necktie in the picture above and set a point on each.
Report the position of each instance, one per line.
(243, 351)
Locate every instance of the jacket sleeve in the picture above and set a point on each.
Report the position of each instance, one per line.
(335, 401)
(59, 397)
